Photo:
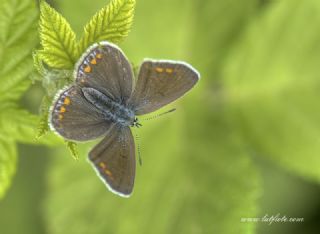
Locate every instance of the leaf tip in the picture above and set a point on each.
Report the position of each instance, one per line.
(72, 146)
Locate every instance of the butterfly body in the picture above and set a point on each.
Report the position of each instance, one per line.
(103, 101)
(110, 109)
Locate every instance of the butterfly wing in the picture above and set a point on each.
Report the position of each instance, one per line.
(74, 118)
(161, 82)
(114, 160)
(105, 68)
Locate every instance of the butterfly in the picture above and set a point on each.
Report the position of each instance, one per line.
(103, 101)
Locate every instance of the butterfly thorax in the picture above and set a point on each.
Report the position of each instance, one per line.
(111, 109)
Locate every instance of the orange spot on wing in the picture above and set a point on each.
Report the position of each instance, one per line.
(108, 172)
(99, 56)
(66, 101)
(87, 69)
(62, 109)
(60, 117)
(102, 165)
(159, 69)
(169, 70)
(93, 61)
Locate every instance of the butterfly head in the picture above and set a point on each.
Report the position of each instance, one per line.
(136, 123)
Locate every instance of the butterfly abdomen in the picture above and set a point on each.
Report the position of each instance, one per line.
(111, 110)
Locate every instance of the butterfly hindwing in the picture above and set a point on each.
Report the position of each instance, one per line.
(114, 160)
(161, 82)
(74, 118)
(105, 68)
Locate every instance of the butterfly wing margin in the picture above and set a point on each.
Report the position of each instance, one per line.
(74, 118)
(106, 68)
(114, 160)
(161, 82)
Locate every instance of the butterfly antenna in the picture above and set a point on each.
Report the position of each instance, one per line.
(138, 148)
(158, 115)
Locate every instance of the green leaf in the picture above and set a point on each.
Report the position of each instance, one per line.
(43, 126)
(21, 125)
(38, 62)
(17, 38)
(60, 50)
(72, 146)
(111, 23)
(8, 161)
(18, 26)
(57, 39)
(272, 83)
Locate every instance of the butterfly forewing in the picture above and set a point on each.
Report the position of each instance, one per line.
(105, 68)
(161, 82)
(74, 118)
(114, 160)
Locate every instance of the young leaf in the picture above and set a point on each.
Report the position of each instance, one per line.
(38, 62)
(43, 126)
(111, 23)
(60, 50)
(8, 160)
(72, 146)
(57, 39)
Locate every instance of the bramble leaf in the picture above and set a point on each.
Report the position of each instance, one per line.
(17, 21)
(57, 39)
(38, 62)
(17, 39)
(18, 27)
(60, 50)
(111, 23)
(43, 126)
(20, 125)
(72, 146)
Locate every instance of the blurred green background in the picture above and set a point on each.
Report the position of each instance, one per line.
(244, 143)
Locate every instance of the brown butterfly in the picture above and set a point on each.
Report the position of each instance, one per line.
(103, 103)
